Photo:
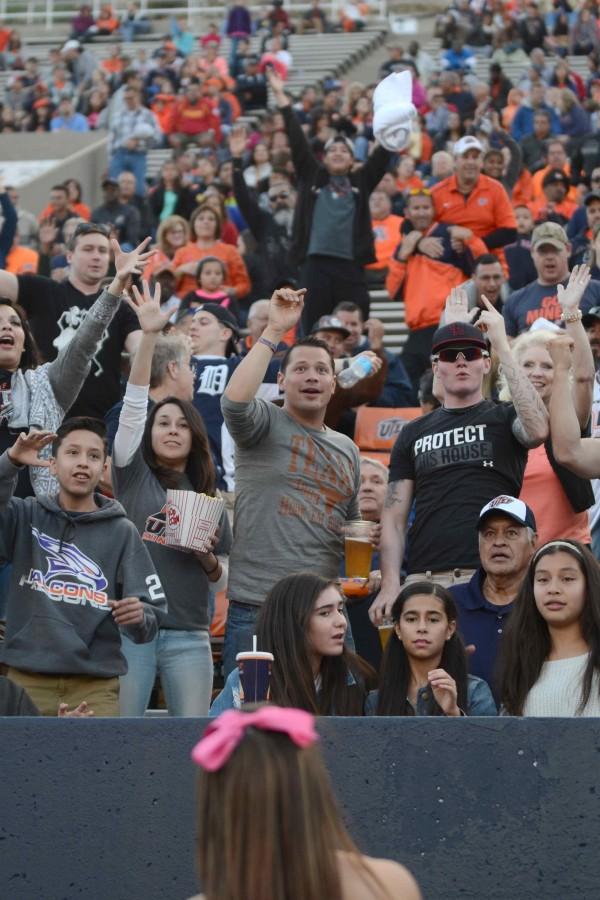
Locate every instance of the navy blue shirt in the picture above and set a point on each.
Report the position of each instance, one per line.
(481, 623)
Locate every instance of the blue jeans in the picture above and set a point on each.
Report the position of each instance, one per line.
(183, 659)
(133, 161)
(240, 626)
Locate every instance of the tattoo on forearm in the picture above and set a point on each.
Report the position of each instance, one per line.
(531, 412)
(393, 495)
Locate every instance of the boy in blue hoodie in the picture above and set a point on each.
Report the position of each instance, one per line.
(80, 575)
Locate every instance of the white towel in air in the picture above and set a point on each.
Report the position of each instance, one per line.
(393, 111)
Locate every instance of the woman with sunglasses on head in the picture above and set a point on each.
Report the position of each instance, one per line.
(558, 498)
(424, 669)
(278, 834)
(167, 448)
(302, 623)
(550, 655)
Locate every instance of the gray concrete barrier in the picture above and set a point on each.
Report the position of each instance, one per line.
(478, 809)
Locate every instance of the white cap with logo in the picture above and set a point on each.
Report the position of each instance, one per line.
(468, 142)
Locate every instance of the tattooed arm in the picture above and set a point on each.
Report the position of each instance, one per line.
(397, 505)
(531, 425)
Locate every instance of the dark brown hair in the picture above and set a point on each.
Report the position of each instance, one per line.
(200, 468)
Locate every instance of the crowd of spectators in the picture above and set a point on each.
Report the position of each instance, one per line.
(247, 265)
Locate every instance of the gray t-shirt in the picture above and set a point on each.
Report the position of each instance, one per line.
(184, 581)
(332, 230)
(295, 489)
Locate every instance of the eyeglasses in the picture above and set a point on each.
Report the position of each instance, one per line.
(451, 354)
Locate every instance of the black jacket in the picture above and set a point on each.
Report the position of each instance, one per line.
(185, 206)
(272, 240)
(311, 176)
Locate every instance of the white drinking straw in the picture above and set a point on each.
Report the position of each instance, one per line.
(254, 644)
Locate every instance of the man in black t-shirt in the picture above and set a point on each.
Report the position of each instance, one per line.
(56, 309)
(454, 459)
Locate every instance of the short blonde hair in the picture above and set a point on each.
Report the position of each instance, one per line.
(377, 464)
(539, 338)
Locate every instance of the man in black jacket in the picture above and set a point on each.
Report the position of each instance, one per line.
(271, 228)
(332, 238)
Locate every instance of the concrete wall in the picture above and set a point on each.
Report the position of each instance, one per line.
(80, 156)
(478, 809)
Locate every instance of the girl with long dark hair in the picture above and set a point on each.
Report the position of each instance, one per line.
(167, 448)
(278, 833)
(302, 623)
(424, 666)
(550, 655)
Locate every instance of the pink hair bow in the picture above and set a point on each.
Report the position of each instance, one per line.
(224, 734)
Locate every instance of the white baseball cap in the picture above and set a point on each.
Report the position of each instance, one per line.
(509, 506)
(468, 142)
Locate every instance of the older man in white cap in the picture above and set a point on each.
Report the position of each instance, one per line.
(507, 541)
(475, 204)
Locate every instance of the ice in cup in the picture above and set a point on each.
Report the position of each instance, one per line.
(255, 675)
(385, 631)
(359, 549)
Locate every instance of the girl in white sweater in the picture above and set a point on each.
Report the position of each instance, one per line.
(551, 649)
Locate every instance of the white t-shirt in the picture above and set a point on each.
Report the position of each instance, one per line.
(557, 692)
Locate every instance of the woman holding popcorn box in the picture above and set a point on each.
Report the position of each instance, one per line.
(164, 476)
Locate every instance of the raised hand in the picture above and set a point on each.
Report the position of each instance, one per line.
(560, 349)
(238, 140)
(132, 263)
(457, 306)
(25, 450)
(444, 690)
(146, 306)
(570, 296)
(492, 323)
(276, 84)
(285, 309)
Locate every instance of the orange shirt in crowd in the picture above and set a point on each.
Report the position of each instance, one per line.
(544, 493)
(387, 234)
(163, 108)
(22, 261)
(413, 183)
(82, 210)
(426, 282)
(538, 177)
(522, 193)
(157, 263)
(236, 274)
(539, 208)
(485, 209)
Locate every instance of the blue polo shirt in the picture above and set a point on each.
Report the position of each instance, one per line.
(481, 623)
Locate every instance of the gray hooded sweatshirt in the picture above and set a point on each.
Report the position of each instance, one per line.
(66, 568)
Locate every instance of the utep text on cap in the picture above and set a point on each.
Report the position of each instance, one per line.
(509, 506)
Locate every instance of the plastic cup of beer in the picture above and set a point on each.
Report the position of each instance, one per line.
(255, 675)
(359, 549)
(385, 631)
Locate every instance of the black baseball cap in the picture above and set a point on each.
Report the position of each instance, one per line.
(593, 195)
(458, 334)
(591, 316)
(555, 176)
(222, 314)
(330, 323)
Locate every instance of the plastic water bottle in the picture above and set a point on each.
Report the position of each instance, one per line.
(360, 367)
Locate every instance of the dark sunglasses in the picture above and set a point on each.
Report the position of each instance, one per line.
(91, 228)
(451, 354)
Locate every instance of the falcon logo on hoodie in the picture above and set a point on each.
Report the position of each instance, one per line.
(70, 577)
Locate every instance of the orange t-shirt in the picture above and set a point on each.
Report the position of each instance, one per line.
(522, 193)
(22, 261)
(539, 207)
(414, 183)
(544, 493)
(538, 177)
(485, 209)
(236, 274)
(82, 210)
(387, 234)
